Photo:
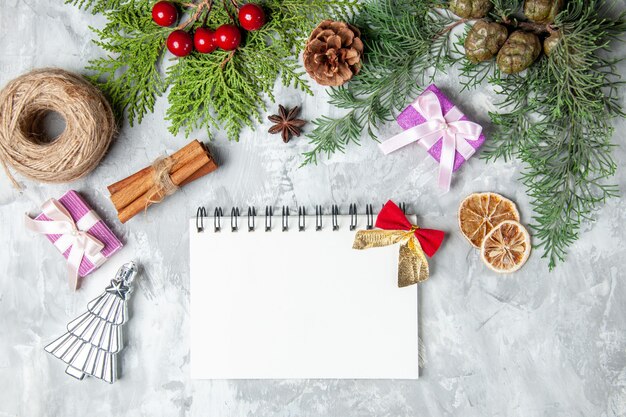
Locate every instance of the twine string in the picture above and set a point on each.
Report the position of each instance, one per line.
(89, 126)
(164, 185)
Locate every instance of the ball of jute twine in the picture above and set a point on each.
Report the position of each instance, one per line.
(89, 126)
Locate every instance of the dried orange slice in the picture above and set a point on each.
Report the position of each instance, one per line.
(479, 213)
(507, 247)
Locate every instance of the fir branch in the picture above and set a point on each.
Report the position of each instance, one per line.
(559, 125)
(227, 90)
(404, 43)
(202, 94)
(130, 75)
(471, 75)
(503, 9)
(327, 130)
(97, 6)
(220, 91)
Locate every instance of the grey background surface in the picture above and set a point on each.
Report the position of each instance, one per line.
(530, 344)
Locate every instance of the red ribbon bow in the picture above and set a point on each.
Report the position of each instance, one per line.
(392, 218)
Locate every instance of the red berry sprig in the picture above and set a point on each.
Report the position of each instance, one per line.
(227, 37)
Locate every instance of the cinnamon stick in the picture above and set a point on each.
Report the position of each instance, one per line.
(148, 171)
(144, 179)
(153, 195)
(206, 169)
(120, 185)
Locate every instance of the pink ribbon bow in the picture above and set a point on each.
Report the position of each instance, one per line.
(73, 235)
(455, 133)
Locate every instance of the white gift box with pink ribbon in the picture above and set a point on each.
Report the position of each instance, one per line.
(77, 232)
(434, 122)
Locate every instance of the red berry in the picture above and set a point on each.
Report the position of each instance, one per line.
(228, 37)
(164, 13)
(204, 40)
(251, 16)
(180, 43)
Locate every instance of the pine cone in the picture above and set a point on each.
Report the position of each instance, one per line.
(332, 55)
(519, 52)
(470, 9)
(542, 11)
(551, 42)
(484, 41)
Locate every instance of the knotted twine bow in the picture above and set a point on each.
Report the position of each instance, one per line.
(396, 228)
(73, 235)
(455, 133)
(162, 180)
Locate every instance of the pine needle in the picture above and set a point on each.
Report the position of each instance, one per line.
(559, 125)
(405, 44)
(218, 91)
(556, 116)
(130, 75)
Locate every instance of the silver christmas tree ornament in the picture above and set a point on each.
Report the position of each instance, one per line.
(93, 340)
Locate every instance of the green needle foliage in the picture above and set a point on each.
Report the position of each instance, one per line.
(472, 74)
(558, 122)
(556, 116)
(96, 6)
(503, 9)
(130, 75)
(206, 91)
(405, 45)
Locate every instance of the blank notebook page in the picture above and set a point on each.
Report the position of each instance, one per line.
(298, 305)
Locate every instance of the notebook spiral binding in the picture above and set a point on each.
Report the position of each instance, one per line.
(218, 214)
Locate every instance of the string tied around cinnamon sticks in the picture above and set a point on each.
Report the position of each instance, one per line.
(163, 177)
(164, 184)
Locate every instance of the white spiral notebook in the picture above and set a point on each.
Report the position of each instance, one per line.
(279, 297)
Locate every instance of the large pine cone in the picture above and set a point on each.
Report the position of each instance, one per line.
(542, 11)
(519, 52)
(470, 9)
(332, 55)
(484, 41)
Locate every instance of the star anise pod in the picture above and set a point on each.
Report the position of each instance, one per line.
(285, 123)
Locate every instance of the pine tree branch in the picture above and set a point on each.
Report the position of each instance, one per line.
(403, 42)
(132, 75)
(98, 6)
(559, 125)
(503, 9)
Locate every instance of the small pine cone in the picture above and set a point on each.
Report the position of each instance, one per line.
(519, 52)
(551, 42)
(542, 11)
(332, 55)
(484, 41)
(470, 9)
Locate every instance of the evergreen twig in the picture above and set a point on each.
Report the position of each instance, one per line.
(129, 74)
(213, 92)
(558, 123)
(556, 116)
(405, 44)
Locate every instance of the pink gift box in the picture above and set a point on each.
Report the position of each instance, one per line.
(77, 207)
(410, 117)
